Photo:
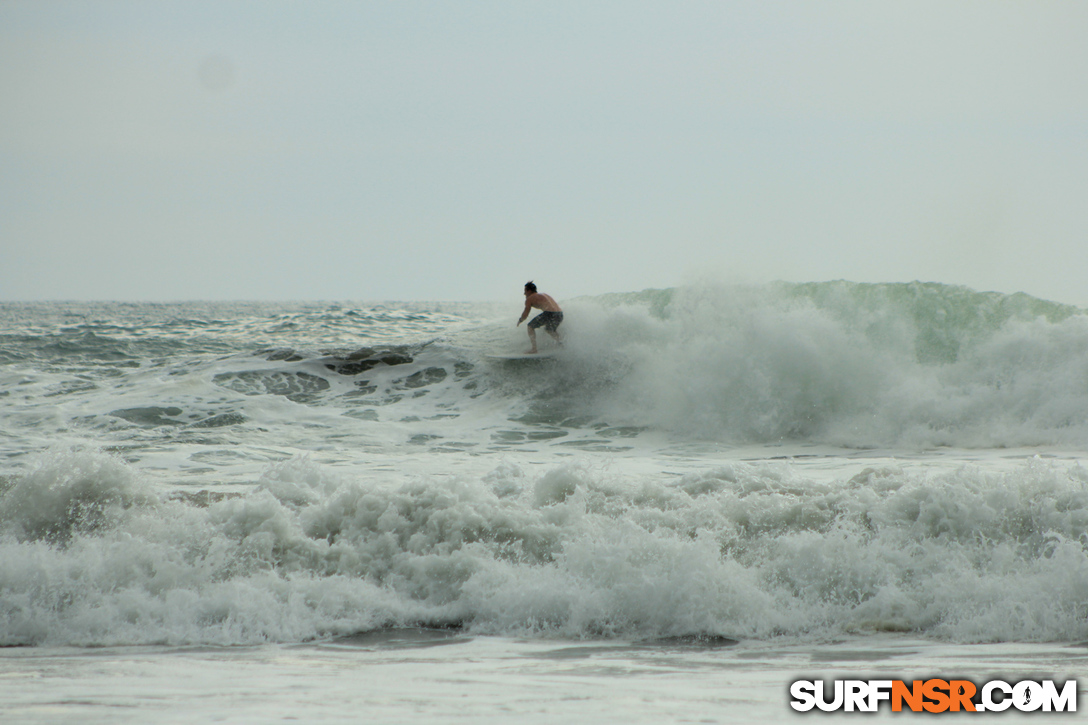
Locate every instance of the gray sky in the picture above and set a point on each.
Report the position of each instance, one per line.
(208, 149)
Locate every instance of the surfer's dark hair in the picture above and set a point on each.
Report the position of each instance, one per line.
(530, 286)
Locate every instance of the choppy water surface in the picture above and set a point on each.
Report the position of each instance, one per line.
(773, 467)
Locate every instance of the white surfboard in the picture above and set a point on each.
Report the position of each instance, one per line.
(524, 356)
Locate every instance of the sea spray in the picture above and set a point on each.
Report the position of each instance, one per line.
(842, 364)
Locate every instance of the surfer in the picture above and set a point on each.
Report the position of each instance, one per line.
(551, 315)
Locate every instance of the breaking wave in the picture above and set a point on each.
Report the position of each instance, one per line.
(90, 556)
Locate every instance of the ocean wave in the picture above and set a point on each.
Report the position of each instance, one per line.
(836, 363)
(90, 555)
(840, 363)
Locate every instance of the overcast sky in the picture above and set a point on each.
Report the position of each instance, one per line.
(209, 149)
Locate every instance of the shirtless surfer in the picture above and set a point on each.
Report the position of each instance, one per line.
(551, 315)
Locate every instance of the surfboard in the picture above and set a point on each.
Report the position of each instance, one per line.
(524, 356)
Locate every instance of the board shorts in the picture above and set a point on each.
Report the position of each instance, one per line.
(550, 321)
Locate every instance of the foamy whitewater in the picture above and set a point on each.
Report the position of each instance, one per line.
(340, 512)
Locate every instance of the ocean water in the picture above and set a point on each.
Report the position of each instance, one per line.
(329, 512)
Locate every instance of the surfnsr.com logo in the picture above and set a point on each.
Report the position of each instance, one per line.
(934, 695)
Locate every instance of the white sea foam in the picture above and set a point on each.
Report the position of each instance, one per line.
(745, 550)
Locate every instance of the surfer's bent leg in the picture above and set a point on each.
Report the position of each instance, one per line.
(555, 319)
(533, 324)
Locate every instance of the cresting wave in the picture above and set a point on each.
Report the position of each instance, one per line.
(843, 364)
(918, 365)
(92, 555)
(837, 363)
